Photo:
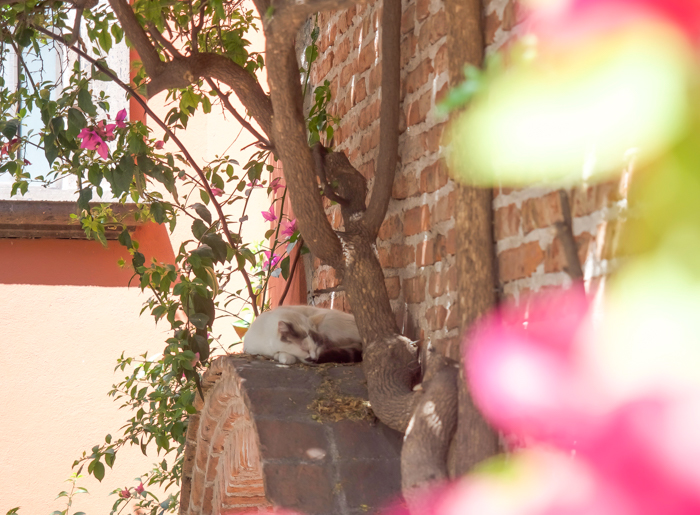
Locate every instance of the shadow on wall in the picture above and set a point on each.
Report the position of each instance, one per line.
(72, 262)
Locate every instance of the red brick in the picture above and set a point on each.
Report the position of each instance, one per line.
(408, 49)
(435, 317)
(342, 25)
(392, 226)
(425, 253)
(375, 78)
(342, 50)
(585, 201)
(444, 208)
(416, 220)
(366, 58)
(443, 281)
(448, 347)
(419, 76)
(369, 114)
(440, 62)
(408, 19)
(519, 262)
(506, 221)
(430, 139)
(360, 91)
(453, 321)
(440, 247)
(541, 212)
(418, 109)
(393, 287)
(433, 177)
(555, 258)
(451, 242)
(370, 140)
(422, 9)
(367, 169)
(491, 25)
(433, 29)
(405, 186)
(414, 289)
(396, 256)
(347, 73)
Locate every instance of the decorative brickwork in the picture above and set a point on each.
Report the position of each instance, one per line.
(255, 442)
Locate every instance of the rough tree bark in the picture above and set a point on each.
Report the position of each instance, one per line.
(428, 415)
(476, 276)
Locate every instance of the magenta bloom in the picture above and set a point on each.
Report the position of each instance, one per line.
(269, 215)
(271, 261)
(217, 192)
(276, 184)
(139, 489)
(121, 116)
(92, 141)
(288, 228)
(159, 144)
(125, 494)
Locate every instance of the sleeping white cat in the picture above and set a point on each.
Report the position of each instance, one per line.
(304, 333)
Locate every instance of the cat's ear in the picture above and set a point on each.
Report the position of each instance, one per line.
(286, 330)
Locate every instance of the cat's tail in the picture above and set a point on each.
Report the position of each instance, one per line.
(342, 355)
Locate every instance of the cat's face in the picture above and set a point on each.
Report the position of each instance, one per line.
(298, 342)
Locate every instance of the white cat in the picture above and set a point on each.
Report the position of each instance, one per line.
(304, 333)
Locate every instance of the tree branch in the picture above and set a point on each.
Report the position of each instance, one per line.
(389, 117)
(566, 236)
(135, 33)
(227, 104)
(289, 138)
(163, 42)
(300, 244)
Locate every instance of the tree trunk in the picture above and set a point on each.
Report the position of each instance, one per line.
(476, 278)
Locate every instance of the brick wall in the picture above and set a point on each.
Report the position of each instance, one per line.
(416, 244)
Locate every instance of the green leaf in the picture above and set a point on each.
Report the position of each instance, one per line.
(198, 229)
(284, 265)
(76, 122)
(199, 320)
(85, 102)
(9, 128)
(125, 239)
(84, 198)
(203, 212)
(50, 148)
(138, 260)
(158, 212)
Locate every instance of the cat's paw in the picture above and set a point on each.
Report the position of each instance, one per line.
(285, 359)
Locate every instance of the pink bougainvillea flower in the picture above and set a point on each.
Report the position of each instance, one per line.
(139, 489)
(159, 144)
(121, 116)
(276, 184)
(125, 494)
(92, 141)
(254, 184)
(104, 131)
(269, 215)
(525, 369)
(217, 192)
(288, 228)
(195, 360)
(271, 261)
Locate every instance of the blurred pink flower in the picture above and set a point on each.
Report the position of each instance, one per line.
(121, 116)
(195, 360)
(139, 489)
(104, 131)
(271, 261)
(276, 184)
(288, 228)
(92, 141)
(159, 144)
(269, 215)
(525, 371)
(125, 494)
(217, 192)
